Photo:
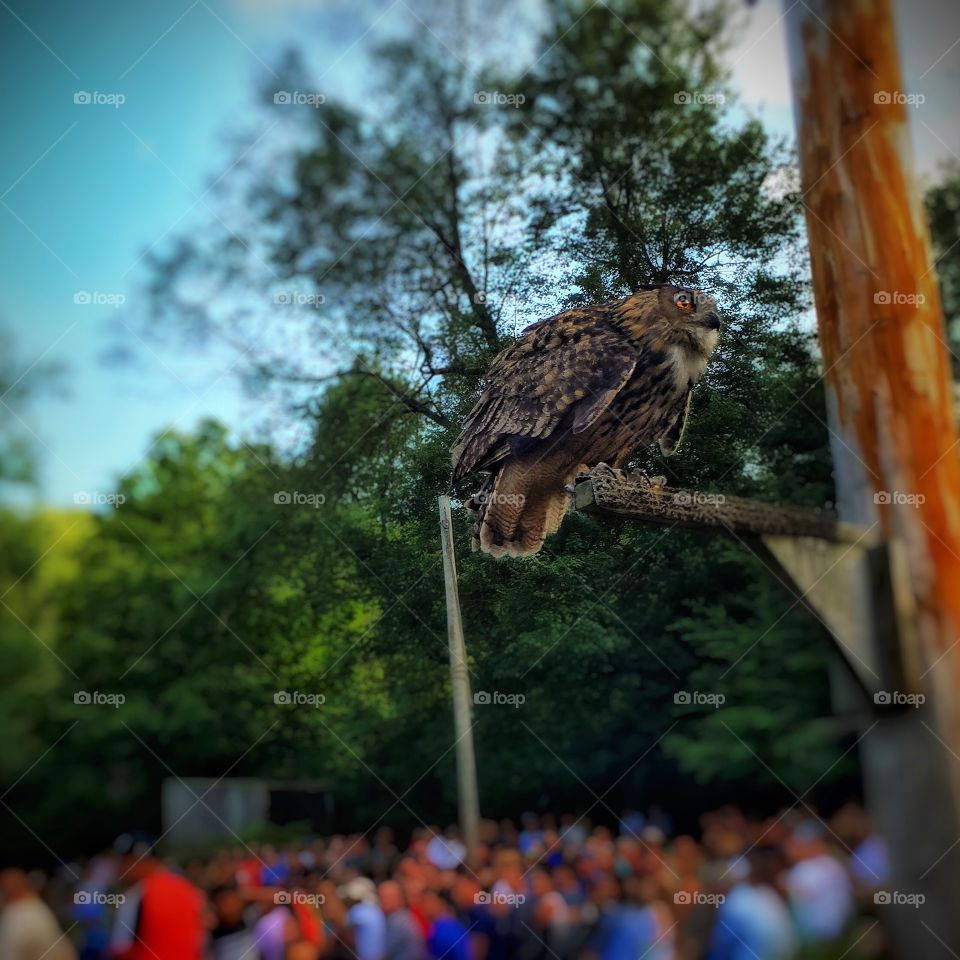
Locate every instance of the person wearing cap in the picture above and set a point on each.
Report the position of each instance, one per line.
(365, 919)
(162, 914)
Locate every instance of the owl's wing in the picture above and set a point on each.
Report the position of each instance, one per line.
(671, 437)
(572, 364)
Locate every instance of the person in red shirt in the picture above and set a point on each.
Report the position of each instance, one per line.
(162, 914)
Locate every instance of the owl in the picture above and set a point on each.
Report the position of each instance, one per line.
(579, 390)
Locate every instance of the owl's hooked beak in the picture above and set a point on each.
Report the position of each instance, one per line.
(712, 321)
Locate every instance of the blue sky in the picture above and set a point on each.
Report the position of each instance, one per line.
(86, 188)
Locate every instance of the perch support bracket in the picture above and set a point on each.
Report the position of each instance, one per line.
(851, 581)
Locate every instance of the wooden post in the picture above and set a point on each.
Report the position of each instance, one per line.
(468, 799)
(892, 428)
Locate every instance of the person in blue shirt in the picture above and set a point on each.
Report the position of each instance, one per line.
(531, 836)
(630, 928)
(753, 922)
(448, 938)
(275, 871)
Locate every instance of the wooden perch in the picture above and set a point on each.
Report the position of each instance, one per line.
(604, 493)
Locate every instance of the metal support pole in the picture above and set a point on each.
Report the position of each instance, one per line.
(468, 799)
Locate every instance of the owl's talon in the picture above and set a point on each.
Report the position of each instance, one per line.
(606, 469)
(656, 484)
(650, 484)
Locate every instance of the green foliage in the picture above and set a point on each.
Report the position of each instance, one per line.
(36, 563)
(943, 210)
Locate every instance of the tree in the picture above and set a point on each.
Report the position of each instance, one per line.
(943, 210)
(37, 561)
(611, 161)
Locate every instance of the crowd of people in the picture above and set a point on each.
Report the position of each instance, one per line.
(791, 886)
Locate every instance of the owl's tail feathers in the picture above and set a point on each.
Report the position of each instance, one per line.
(514, 519)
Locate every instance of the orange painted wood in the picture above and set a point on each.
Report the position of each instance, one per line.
(878, 305)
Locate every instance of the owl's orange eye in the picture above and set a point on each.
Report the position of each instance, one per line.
(683, 302)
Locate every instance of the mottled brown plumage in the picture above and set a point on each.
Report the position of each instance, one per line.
(587, 386)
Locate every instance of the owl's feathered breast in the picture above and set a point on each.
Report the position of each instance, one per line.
(642, 410)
